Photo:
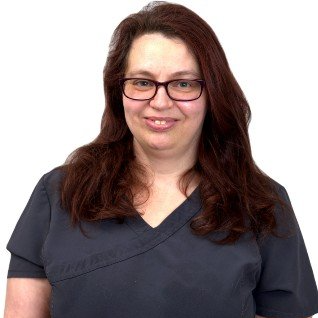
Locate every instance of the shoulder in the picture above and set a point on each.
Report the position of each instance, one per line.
(278, 188)
(286, 224)
(53, 176)
(52, 179)
(283, 204)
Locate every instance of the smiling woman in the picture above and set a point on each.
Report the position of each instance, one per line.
(165, 213)
(160, 122)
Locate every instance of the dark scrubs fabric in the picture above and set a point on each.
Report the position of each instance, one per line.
(133, 270)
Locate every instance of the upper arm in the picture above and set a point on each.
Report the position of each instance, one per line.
(28, 290)
(27, 297)
(286, 285)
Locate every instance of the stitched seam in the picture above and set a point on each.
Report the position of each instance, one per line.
(52, 302)
(116, 260)
(273, 311)
(16, 271)
(243, 277)
(242, 298)
(44, 242)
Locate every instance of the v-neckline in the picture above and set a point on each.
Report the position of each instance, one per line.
(146, 238)
(178, 217)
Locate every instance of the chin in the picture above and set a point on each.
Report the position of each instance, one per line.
(156, 143)
(160, 145)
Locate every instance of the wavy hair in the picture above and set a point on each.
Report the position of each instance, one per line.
(237, 197)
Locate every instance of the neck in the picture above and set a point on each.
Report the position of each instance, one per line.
(164, 167)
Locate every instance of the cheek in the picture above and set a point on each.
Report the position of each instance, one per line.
(194, 110)
(129, 108)
(133, 110)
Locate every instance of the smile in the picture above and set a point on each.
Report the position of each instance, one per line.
(160, 124)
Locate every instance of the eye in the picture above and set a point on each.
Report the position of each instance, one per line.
(142, 83)
(183, 84)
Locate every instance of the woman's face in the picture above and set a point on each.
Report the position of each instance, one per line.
(161, 123)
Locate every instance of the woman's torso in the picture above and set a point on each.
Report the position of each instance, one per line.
(135, 270)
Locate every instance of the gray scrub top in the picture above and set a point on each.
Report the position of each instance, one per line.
(134, 270)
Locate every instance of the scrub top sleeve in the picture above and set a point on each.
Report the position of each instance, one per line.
(20, 267)
(286, 287)
(28, 237)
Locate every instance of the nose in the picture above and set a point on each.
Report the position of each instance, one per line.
(161, 100)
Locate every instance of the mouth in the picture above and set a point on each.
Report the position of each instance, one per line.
(161, 120)
(160, 123)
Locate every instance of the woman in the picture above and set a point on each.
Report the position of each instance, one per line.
(165, 213)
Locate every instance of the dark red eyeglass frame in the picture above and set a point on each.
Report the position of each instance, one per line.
(165, 84)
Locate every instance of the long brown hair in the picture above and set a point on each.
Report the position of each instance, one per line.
(99, 177)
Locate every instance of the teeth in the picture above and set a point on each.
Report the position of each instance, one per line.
(160, 122)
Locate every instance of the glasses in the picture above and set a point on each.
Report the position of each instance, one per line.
(178, 89)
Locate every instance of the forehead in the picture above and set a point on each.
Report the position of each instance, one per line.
(160, 56)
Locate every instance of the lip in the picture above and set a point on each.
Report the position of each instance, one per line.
(168, 119)
(170, 123)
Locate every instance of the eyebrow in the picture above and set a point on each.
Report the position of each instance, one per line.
(175, 74)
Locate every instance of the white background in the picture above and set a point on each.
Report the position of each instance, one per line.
(51, 94)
